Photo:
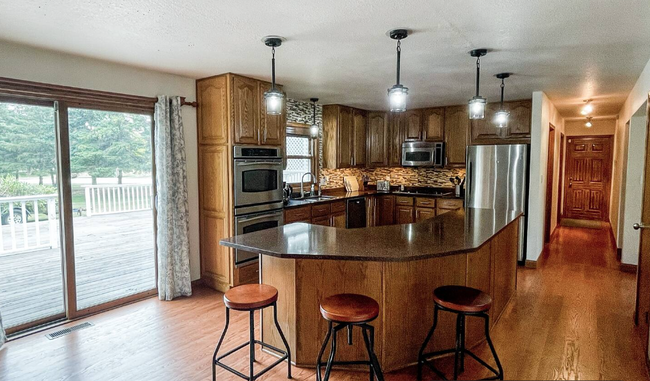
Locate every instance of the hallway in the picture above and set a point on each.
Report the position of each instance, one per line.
(571, 319)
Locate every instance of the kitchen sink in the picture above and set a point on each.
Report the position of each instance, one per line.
(315, 198)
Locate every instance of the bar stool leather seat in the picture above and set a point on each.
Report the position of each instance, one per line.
(462, 299)
(250, 296)
(349, 308)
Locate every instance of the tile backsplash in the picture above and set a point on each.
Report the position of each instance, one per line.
(423, 177)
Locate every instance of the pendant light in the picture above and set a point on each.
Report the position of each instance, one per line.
(477, 104)
(274, 98)
(588, 124)
(588, 108)
(501, 116)
(398, 94)
(313, 130)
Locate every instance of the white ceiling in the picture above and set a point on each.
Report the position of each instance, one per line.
(337, 50)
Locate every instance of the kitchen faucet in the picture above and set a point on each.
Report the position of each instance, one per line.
(302, 189)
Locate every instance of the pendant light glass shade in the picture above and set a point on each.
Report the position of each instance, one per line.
(588, 124)
(478, 103)
(398, 94)
(273, 98)
(501, 117)
(313, 129)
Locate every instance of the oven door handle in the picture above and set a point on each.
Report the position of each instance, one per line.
(266, 216)
(259, 163)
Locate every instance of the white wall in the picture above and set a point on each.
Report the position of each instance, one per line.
(600, 127)
(32, 64)
(633, 188)
(543, 114)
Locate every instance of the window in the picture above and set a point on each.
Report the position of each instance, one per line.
(301, 153)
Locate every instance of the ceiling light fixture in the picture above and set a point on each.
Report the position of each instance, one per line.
(501, 116)
(273, 98)
(588, 108)
(398, 94)
(313, 130)
(588, 124)
(477, 104)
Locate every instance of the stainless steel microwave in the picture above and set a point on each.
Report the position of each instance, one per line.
(423, 154)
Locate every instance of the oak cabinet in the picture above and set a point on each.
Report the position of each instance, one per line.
(456, 127)
(378, 141)
(385, 213)
(422, 214)
(338, 220)
(301, 213)
(433, 124)
(412, 120)
(212, 113)
(359, 141)
(246, 110)
(272, 127)
(484, 131)
(448, 205)
(404, 214)
(338, 136)
(396, 123)
(323, 221)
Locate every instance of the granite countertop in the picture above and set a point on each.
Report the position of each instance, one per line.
(340, 194)
(450, 233)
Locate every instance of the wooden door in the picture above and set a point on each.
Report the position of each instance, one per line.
(560, 182)
(404, 214)
(385, 210)
(338, 220)
(433, 124)
(396, 120)
(413, 125)
(359, 122)
(588, 177)
(549, 182)
(377, 139)
(422, 214)
(246, 110)
(272, 127)
(456, 126)
(643, 269)
(345, 137)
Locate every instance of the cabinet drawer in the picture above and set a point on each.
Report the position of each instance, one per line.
(338, 206)
(423, 202)
(297, 214)
(404, 201)
(249, 274)
(319, 210)
(446, 203)
(324, 221)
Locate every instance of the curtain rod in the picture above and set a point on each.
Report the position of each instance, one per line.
(185, 103)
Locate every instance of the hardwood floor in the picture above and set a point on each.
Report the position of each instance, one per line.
(570, 319)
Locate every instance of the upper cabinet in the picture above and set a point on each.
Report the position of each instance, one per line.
(396, 134)
(377, 139)
(246, 110)
(484, 131)
(337, 136)
(412, 122)
(456, 126)
(433, 124)
(359, 143)
(212, 115)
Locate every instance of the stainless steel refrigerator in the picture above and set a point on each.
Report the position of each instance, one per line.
(497, 178)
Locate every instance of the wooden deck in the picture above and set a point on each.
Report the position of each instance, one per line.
(114, 258)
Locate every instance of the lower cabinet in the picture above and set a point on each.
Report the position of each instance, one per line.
(324, 214)
(448, 205)
(385, 213)
(422, 214)
(248, 274)
(338, 220)
(404, 215)
(323, 221)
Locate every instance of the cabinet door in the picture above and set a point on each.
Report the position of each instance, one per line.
(385, 210)
(456, 126)
(433, 124)
(323, 221)
(360, 133)
(272, 127)
(346, 135)
(422, 214)
(518, 131)
(212, 113)
(404, 214)
(396, 139)
(377, 139)
(520, 119)
(413, 125)
(338, 220)
(246, 110)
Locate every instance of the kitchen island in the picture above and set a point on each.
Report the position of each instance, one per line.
(397, 265)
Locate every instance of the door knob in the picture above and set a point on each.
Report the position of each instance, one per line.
(638, 226)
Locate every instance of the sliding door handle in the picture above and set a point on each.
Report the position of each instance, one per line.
(638, 226)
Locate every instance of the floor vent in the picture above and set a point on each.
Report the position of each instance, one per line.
(66, 331)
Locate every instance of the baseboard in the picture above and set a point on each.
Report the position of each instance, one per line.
(627, 268)
(198, 282)
(530, 264)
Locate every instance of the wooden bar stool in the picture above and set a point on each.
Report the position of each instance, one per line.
(251, 297)
(463, 301)
(347, 311)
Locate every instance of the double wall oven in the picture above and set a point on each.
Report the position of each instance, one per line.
(258, 192)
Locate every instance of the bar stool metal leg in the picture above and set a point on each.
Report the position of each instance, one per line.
(330, 361)
(284, 340)
(421, 356)
(374, 362)
(319, 361)
(223, 335)
(489, 341)
(251, 357)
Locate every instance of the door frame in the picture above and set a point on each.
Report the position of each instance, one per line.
(550, 171)
(608, 188)
(560, 181)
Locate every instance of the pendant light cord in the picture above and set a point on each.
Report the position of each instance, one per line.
(273, 68)
(314, 113)
(399, 54)
(503, 85)
(478, 74)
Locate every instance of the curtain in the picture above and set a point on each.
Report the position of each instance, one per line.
(171, 182)
(3, 336)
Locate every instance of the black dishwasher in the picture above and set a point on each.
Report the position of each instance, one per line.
(356, 213)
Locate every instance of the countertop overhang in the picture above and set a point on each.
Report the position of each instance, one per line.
(450, 233)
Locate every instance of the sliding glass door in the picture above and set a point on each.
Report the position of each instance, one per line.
(77, 189)
(31, 270)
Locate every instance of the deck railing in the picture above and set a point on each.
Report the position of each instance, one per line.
(21, 221)
(107, 199)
